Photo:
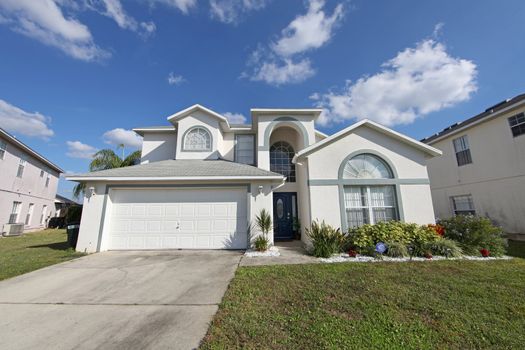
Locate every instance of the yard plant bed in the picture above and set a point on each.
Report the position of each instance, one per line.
(33, 251)
(445, 304)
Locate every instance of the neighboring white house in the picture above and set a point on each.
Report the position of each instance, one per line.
(482, 170)
(203, 180)
(28, 185)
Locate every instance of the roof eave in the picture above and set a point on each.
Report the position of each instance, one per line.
(170, 178)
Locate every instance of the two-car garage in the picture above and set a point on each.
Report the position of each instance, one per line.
(176, 218)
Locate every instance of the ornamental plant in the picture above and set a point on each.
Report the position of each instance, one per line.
(263, 222)
(440, 230)
(474, 233)
(484, 252)
(326, 240)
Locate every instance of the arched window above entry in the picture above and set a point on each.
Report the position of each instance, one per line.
(197, 139)
(367, 166)
(281, 155)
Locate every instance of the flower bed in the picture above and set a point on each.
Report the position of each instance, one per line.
(365, 258)
(272, 251)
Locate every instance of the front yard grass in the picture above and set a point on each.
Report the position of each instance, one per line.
(33, 251)
(418, 305)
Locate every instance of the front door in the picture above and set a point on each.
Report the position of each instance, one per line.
(284, 211)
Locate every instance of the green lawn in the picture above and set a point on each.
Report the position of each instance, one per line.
(33, 251)
(418, 305)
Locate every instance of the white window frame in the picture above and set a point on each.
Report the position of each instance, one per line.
(462, 150)
(370, 206)
(15, 212)
(239, 151)
(517, 122)
(193, 148)
(3, 148)
(21, 167)
(43, 216)
(29, 214)
(468, 197)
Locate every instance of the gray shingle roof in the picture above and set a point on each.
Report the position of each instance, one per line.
(181, 168)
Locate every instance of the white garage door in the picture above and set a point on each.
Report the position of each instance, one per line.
(177, 218)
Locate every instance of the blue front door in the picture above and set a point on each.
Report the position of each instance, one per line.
(284, 208)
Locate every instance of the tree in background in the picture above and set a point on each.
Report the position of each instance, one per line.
(107, 159)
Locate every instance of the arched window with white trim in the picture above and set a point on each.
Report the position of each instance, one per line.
(281, 155)
(197, 139)
(373, 202)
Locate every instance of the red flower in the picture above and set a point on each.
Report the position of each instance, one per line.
(352, 253)
(485, 253)
(428, 255)
(440, 230)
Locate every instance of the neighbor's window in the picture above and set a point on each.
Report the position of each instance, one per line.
(462, 150)
(281, 155)
(41, 173)
(3, 146)
(21, 167)
(13, 218)
(43, 216)
(47, 180)
(463, 205)
(197, 139)
(517, 124)
(29, 213)
(245, 149)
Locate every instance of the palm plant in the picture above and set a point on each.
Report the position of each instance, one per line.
(107, 159)
(263, 221)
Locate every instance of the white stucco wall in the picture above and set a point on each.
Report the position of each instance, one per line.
(198, 118)
(158, 146)
(495, 178)
(28, 189)
(409, 163)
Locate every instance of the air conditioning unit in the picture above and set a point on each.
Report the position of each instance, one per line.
(13, 229)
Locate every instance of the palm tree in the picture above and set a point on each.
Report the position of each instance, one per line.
(107, 159)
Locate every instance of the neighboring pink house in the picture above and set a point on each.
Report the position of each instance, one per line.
(28, 185)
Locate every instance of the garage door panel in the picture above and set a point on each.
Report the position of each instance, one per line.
(175, 218)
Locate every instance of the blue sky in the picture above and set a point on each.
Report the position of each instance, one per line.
(76, 76)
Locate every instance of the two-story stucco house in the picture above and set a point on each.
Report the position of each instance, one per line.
(203, 180)
(28, 185)
(482, 170)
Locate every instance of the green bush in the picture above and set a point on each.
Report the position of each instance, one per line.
(261, 243)
(74, 213)
(326, 240)
(396, 250)
(444, 247)
(393, 231)
(474, 233)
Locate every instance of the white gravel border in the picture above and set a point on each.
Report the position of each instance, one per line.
(363, 258)
(273, 251)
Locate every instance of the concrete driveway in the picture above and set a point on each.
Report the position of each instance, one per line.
(116, 300)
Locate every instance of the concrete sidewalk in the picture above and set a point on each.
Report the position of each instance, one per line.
(116, 300)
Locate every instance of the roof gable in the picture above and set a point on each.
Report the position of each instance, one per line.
(192, 109)
(375, 126)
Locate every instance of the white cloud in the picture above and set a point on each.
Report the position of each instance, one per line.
(114, 10)
(231, 11)
(120, 136)
(283, 62)
(18, 121)
(44, 21)
(416, 82)
(183, 5)
(77, 149)
(283, 72)
(310, 31)
(174, 79)
(235, 118)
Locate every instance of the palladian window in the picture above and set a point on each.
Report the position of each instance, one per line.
(197, 139)
(369, 203)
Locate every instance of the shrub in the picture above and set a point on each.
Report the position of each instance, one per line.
(474, 233)
(445, 247)
(74, 214)
(396, 250)
(261, 243)
(326, 240)
(393, 231)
